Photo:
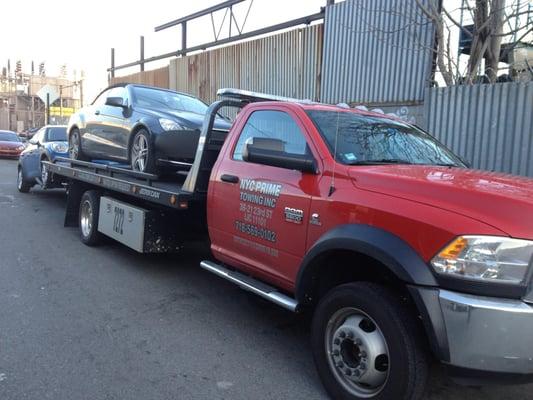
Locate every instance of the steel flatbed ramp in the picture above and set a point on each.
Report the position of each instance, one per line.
(132, 183)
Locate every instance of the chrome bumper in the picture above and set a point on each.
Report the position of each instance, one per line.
(488, 334)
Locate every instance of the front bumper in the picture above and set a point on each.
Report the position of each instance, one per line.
(491, 336)
(177, 145)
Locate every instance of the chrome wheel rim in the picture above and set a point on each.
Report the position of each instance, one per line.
(19, 179)
(357, 352)
(74, 146)
(139, 153)
(86, 218)
(44, 175)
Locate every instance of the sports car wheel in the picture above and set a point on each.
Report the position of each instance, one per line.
(74, 146)
(141, 153)
(22, 185)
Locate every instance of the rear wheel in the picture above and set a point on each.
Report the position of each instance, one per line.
(88, 218)
(142, 153)
(22, 185)
(74, 146)
(367, 345)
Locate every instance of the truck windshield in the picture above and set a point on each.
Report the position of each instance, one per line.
(153, 98)
(362, 139)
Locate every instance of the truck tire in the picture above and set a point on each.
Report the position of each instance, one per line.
(88, 218)
(368, 345)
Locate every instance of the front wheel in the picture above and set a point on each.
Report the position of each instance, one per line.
(46, 177)
(142, 153)
(367, 345)
(22, 185)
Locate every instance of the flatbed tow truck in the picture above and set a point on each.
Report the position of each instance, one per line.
(399, 261)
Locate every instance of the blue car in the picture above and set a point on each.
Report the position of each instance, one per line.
(47, 144)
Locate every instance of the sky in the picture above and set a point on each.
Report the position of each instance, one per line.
(80, 34)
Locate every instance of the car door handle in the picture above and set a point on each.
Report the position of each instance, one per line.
(97, 112)
(229, 178)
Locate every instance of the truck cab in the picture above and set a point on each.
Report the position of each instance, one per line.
(338, 206)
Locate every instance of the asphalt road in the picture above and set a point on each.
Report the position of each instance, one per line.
(107, 323)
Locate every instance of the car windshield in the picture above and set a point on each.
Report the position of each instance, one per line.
(57, 134)
(153, 98)
(364, 139)
(9, 137)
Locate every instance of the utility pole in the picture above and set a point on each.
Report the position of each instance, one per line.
(61, 102)
(81, 92)
(142, 53)
(47, 108)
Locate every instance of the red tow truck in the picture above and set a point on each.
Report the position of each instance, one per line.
(401, 252)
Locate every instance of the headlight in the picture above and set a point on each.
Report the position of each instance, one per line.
(59, 147)
(486, 258)
(21, 147)
(169, 125)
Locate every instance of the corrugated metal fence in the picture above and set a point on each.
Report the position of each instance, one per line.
(156, 77)
(376, 51)
(286, 64)
(490, 125)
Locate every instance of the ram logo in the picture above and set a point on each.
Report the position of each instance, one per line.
(294, 215)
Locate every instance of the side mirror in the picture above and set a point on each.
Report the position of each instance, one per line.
(281, 159)
(115, 102)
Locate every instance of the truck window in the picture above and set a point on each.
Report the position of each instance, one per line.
(272, 125)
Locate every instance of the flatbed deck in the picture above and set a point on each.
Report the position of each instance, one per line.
(140, 185)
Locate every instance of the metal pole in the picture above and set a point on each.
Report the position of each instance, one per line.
(47, 108)
(142, 53)
(183, 37)
(81, 93)
(112, 62)
(61, 101)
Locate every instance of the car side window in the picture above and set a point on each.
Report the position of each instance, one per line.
(38, 137)
(278, 126)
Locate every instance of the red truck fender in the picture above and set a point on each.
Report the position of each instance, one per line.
(391, 251)
(400, 260)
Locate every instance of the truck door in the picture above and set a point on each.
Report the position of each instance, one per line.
(258, 214)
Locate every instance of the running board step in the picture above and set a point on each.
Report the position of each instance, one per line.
(252, 285)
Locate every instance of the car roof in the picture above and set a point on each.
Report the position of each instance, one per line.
(6, 131)
(124, 84)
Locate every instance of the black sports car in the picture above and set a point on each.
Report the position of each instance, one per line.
(147, 127)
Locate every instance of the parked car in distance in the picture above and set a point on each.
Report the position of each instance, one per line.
(149, 128)
(28, 133)
(10, 144)
(47, 144)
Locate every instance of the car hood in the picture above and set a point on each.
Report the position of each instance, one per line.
(189, 119)
(502, 201)
(9, 145)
